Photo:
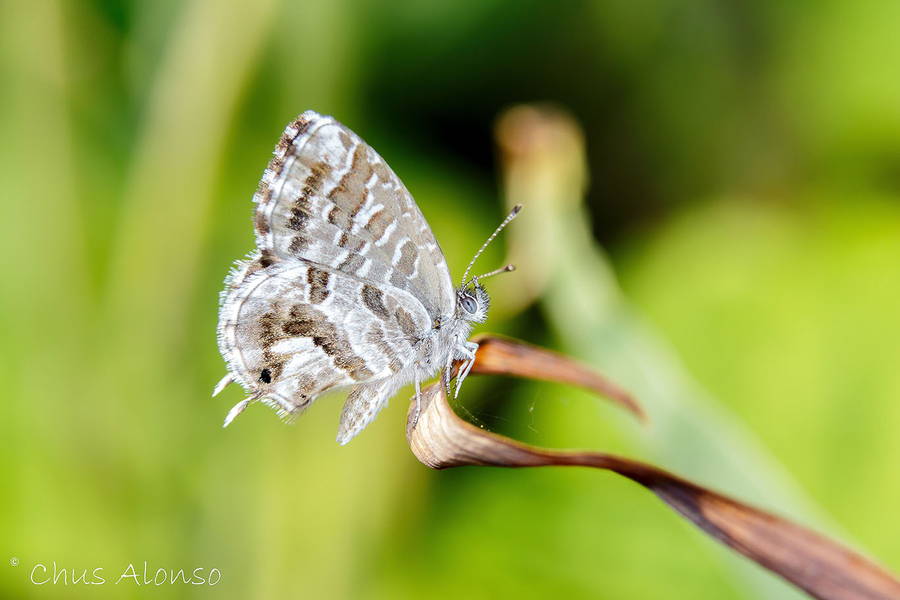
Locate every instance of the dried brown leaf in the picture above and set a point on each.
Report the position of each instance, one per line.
(505, 356)
(820, 566)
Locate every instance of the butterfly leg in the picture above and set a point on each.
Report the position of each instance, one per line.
(468, 350)
(362, 406)
(418, 398)
(446, 373)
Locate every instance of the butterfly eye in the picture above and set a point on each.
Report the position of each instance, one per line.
(469, 304)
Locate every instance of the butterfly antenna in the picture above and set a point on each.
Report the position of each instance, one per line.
(506, 269)
(511, 216)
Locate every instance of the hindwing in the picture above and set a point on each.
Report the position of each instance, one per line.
(293, 330)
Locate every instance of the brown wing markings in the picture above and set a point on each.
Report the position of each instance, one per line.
(318, 284)
(378, 224)
(373, 299)
(308, 322)
(376, 336)
(407, 325)
(352, 185)
(272, 363)
(334, 171)
(408, 256)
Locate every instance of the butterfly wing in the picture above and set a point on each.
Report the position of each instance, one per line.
(329, 198)
(363, 404)
(293, 330)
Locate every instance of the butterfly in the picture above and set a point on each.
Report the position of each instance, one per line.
(347, 288)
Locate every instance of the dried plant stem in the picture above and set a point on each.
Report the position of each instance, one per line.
(821, 567)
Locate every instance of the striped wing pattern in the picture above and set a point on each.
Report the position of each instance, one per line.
(292, 331)
(347, 282)
(329, 198)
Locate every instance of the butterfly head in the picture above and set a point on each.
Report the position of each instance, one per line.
(472, 302)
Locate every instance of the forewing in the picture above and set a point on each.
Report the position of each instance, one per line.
(291, 331)
(329, 198)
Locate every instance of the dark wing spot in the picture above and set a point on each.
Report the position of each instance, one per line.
(373, 299)
(353, 263)
(301, 208)
(268, 336)
(313, 184)
(298, 244)
(353, 365)
(406, 323)
(265, 376)
(318, 284)
(298, 328)
(267, 259)
(267, 323)
(298, 219)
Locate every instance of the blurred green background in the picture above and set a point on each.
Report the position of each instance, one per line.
(744, 189)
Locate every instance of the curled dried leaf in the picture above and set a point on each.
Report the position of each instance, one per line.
(820, 566)
(504, 356)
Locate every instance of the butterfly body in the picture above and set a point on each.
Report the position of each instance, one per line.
(348, 287)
